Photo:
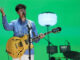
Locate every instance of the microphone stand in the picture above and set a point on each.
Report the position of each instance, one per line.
(29, 38)
(48, 40)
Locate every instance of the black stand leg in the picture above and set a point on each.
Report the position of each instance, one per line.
(29, 31)
(66, 58)
(48, 40)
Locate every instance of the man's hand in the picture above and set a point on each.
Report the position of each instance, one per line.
(41, 35)
(1, 10)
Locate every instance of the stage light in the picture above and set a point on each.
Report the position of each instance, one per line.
(47, 18)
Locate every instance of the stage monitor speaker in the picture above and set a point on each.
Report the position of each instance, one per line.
(52, 49)
(64, 48)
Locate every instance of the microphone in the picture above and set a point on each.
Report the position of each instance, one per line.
(24, 14)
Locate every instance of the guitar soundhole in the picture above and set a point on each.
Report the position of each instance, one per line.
(20, 44)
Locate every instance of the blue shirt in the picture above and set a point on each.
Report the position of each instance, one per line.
(20, 29)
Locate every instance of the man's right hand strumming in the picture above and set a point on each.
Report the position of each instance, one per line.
(1, 10)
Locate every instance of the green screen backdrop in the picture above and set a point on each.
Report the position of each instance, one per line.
(68, 13)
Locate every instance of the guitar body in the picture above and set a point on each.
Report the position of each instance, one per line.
(16, 46)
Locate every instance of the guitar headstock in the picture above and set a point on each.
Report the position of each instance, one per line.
(58, 29)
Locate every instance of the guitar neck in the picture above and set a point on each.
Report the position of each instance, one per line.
(47, 33)
(37, 37)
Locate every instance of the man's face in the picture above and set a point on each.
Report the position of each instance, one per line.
(22, 12)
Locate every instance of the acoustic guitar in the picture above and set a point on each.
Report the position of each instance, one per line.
(16, 46)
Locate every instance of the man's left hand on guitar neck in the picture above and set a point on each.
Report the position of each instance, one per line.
(41, 35)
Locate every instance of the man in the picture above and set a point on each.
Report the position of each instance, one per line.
(19, 27)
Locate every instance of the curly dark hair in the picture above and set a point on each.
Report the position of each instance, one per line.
(20, 6)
